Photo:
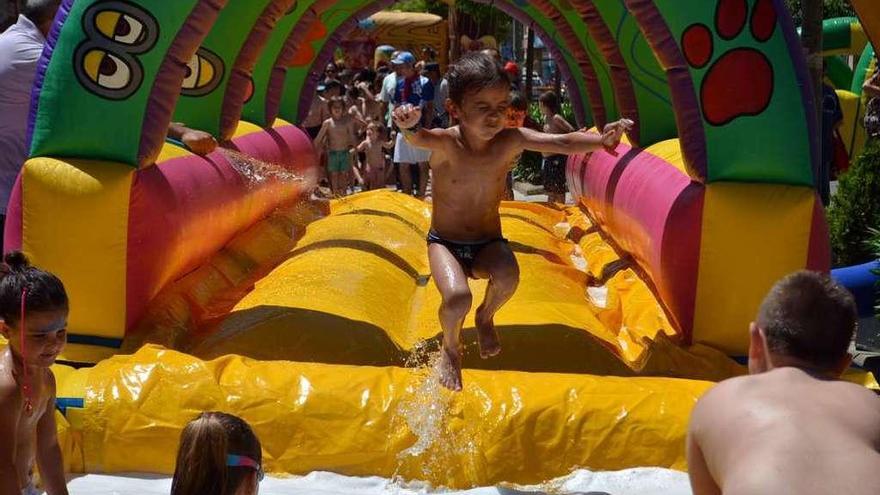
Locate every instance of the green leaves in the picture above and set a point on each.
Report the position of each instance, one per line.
(832, 8)
(855, 210)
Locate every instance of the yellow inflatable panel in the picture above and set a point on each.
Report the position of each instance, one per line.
(59, 196)
(770, 222)
(356, 289)
(852, 129)
(505, 426)
(669, 150)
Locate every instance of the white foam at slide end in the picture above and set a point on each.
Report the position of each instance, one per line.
(640, 481)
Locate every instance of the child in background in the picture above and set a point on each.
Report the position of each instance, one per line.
(219, 454)
(373, 148)
(33, 305)
(517, 116)
(372, 107)
(553, 168)
(355, 104)
(339, 136)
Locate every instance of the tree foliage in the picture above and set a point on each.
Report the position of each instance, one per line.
(831, 9)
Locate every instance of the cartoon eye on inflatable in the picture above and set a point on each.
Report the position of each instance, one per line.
(121, 28)
(203, 73)
(107, 70)
(116, 31)
(126, 26)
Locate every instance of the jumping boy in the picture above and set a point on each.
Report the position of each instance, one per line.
(470, 162)
(339, 135)
(791, 426)
(33, 308)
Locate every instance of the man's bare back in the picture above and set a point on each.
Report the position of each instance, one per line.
(786, 431)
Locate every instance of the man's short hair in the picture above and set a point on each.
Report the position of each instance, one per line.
(809, 317)
(474, 72)
(40, 11)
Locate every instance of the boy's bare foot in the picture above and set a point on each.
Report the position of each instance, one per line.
(450, 367)
(487, 337)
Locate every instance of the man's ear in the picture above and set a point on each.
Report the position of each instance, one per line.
(757, 356)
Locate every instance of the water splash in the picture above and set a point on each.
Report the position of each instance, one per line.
(441, 451)
(257, 172)
(424, 409)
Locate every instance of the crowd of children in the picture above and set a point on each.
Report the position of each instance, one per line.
(364, 101)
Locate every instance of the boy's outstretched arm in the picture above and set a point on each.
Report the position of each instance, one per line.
(573, 142)
(407, 118)
(49, 458)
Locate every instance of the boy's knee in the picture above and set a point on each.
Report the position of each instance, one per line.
(459, 300)
(507, 276)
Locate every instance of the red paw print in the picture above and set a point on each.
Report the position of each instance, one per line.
(740, 81)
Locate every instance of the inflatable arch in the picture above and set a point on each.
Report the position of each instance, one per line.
(688, 225)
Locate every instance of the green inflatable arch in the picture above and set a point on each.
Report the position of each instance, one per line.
(676, 67)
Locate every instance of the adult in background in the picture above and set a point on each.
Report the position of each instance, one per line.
(20, 48)
(441, 93)
(415, 90)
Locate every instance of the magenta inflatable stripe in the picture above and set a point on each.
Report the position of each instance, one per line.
(623, 86)
(585, 65)
(652, 211)
(279, 71)
(240, 74)
(309, 88)
(688, 117)
(286, 145)
(12, 230)
(166, 88)
(594, 91)
(185, 209)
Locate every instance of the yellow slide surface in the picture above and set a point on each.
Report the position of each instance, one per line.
(355, 288)
(360, 420)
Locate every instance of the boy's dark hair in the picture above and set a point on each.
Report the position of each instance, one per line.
(353, 92)
(40, 11)
(550, 100)
(45, 292)
(810, 317)
(377, 126)
(472, 73)
(201, 458)
(336, 101)
(518, 101)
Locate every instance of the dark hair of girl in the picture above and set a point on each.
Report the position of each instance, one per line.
(45, 292)
(205, 444)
